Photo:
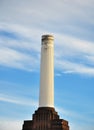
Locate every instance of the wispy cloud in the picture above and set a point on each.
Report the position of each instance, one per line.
(10, 124)
(18, 101)
(76, 118)
(20, 40)
(13, 58)
(71, 54)
(79, 126)
(70, 67)
(74, 56)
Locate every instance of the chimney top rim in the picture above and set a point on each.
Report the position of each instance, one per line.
(47, 36)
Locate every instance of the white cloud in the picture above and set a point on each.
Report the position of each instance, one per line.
(76, 119)
(74, 45)
(90, 59)
(70, 67)
(13, 58)
(68, 48)
(21, 31)
(73, 115)
(10, 125)
(33, 12)
(81, 126)
(18, 101)
(73, 55)
(27, 21)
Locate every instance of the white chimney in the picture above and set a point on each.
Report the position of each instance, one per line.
(46, 95)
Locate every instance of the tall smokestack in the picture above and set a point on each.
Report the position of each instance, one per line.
(45, 117)
(46, 95)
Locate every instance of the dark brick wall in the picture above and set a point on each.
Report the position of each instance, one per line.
(45, 118)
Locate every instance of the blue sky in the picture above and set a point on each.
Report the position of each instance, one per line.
(22, 23)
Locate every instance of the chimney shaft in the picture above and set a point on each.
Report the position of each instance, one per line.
(46, 95)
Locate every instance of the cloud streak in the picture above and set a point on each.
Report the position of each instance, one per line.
(68, 48)
(24, 102)
(10, 124)
(20, 40)
(16, 59)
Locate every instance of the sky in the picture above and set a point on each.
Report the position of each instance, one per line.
(22, 23)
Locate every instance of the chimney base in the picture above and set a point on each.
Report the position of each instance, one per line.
(45, 118)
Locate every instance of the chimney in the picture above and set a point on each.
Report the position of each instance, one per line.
(45, 117)
(46, 95)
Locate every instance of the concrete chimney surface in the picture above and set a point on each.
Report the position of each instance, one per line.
(46, 95)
